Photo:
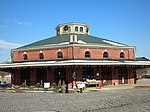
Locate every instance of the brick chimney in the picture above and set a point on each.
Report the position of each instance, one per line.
(73, 39)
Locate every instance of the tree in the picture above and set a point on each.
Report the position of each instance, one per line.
(142, 72)
(3, 74)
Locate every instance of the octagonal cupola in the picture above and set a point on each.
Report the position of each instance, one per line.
(76, 28)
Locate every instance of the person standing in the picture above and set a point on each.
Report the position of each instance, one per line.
(100, 85)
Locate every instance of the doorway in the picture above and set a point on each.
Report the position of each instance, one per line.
(106, 76)
(87, 73)
(25, 76)
(59, 75)
(123, 75)
(40, 75)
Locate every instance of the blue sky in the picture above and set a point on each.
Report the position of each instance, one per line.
(25, 21)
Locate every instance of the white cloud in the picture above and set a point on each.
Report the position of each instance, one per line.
(22, 23)
(8, 45)
(2, 51)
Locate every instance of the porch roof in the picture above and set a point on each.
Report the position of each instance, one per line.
(76, 62)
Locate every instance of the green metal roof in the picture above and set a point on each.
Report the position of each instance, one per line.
(65, 38)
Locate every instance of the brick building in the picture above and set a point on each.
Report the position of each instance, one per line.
(71, 55)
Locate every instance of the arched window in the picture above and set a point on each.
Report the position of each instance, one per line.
(25, 57)
(65, 28)
(81, 29)
(87, 54)
(76, 29)
(87, 30)
(41, 56)
(105, 55)
(59, 55)
(121, 55)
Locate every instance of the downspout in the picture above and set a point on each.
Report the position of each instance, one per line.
(72, 51)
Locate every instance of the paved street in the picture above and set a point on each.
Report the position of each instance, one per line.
(132, 100)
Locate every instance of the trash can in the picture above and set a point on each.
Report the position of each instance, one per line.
(63, 89)
(46, 85)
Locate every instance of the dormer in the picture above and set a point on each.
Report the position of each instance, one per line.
(76, 28)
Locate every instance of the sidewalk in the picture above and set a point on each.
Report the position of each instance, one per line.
(118, 87)
(110, 87)
(141, 83)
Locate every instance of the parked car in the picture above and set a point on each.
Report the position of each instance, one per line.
(4, 84)
(146, 76)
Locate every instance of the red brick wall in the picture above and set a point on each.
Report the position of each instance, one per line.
(33, 76)
(17, 76)
(131, 75)
(69, 73)
(50, 75)
(115, 79)
(78, 52)
(79, 73)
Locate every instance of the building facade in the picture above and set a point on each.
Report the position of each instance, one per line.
(74, 55)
